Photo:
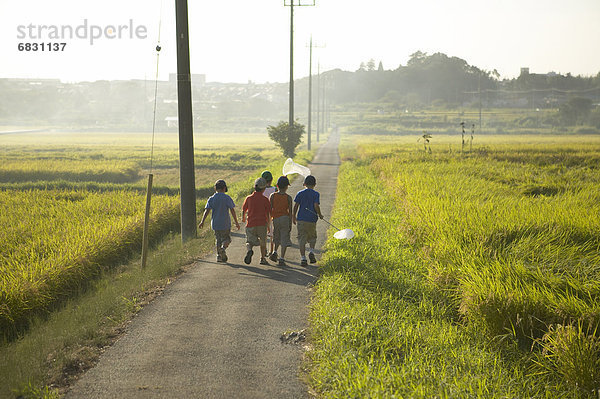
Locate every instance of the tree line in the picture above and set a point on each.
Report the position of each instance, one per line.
(436, 80)
(439, 79)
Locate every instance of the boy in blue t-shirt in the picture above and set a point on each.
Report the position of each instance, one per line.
(221, 204)
(305, 213)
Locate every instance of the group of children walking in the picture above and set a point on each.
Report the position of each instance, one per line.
(268, 211)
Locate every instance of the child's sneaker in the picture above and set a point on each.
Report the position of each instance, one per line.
(273, 256)
(222, 255)
(312, 258)
(303, 262)
(219, 259)
(248, 257)
(281, 262)
(263, 261)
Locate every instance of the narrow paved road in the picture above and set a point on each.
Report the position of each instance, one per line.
(215, 332)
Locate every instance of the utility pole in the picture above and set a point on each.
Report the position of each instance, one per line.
(328, 108)
(318, 99)
(323, 92)
(187, 178)
(479, 87)
(291, 89)
(310, 95)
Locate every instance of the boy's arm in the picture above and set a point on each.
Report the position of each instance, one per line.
(318, 210)
(244, 210)
(290, 206)
(206, 212)
(296, 206)
(235, 218)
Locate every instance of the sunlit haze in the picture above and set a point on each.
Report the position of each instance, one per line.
(241, 40)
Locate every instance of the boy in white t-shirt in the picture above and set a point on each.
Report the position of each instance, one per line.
(268, 176)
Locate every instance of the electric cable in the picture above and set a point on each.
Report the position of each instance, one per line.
(158, 48)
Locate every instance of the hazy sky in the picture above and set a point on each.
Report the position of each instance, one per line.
(241, 40)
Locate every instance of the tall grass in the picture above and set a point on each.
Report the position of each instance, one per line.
(379, 329)
(504, 240)
(54, 241)
(517, 259)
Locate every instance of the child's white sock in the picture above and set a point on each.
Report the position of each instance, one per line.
(303, 258)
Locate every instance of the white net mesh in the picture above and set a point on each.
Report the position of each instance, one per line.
(291, 167)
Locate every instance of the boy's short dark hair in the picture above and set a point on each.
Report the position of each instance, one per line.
(267, 176)
(220, 185)
(310, 181)
(283, 182)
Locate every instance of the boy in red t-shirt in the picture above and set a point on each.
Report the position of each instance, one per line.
(258, 209)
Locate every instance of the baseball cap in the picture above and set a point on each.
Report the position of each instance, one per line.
(260, 183)
(267, 175)
(283, 181)
(310, 180)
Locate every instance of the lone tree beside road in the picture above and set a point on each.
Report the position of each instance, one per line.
(286, 137)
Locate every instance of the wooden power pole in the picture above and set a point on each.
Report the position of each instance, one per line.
(187, 178)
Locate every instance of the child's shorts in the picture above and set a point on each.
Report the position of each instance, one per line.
(256, 233)
(307, 233)
(282, 226)
(222, 237)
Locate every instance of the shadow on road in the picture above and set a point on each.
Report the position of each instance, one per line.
(293, 273)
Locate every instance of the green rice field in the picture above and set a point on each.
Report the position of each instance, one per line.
(72, 204)
(473, 273)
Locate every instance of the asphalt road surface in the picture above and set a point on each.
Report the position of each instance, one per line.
(216, 331)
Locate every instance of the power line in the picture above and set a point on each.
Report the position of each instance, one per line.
(553, 89)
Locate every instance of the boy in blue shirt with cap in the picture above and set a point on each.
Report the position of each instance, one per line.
(305, 214)
(221, 204)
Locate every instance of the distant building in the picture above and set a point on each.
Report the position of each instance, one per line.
(172, 121)
(524, 71)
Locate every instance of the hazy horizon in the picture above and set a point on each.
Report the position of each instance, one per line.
(240, 41)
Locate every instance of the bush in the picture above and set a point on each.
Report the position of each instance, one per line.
(286, 137)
